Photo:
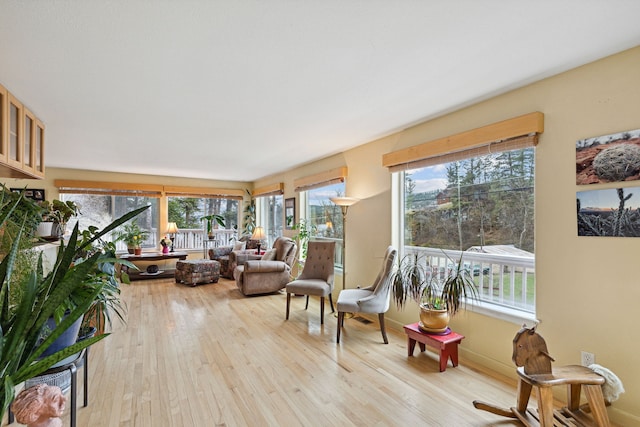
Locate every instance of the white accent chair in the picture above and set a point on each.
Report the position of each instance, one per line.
(372, 299)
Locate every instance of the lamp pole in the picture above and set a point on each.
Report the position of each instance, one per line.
(344, 203)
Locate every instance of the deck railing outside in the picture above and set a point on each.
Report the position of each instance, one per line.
(189, 239)
(505, 280)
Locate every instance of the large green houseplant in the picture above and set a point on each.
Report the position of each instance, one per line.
(250, 214)
(107, 303)
(23, 318)
(440, 292)
(210, 219)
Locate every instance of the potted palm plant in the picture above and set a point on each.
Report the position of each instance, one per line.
(107, 303)
(440, 293)
(219, 219)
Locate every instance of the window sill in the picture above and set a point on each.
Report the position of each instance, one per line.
(507, 314)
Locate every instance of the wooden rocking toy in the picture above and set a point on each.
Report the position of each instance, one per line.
(534, 370)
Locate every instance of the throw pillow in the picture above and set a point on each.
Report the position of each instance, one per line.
(269, 255)
(239, 246)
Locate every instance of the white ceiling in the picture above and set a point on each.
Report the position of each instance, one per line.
(237, 89)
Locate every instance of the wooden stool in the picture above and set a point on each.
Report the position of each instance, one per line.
(447, 345)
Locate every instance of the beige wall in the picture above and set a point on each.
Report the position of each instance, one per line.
(587, 288)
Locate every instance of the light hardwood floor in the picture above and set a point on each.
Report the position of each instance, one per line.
(208, 356)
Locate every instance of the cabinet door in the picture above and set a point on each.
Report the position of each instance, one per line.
(28, 146)
(4, 133)
(39, 149)
(16, 137)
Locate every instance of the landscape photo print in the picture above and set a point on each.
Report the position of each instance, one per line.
(608, 158)
(609, 213)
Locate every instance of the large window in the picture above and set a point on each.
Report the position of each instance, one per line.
(482, 206)
(271, 216)
(102, 202)
(187, 213)
(323, 216)
(101, 210)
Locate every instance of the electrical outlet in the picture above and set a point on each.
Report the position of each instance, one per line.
(587, 358)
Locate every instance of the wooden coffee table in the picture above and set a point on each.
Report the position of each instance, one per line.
(151, 256)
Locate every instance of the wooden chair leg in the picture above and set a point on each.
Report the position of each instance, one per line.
(573, 397)
(382, 329)
(288, 303)
(322, 310)
(307, 304)
(545, 406)
(340, 322)
(331, 302)
(524, 392)
(597, 405)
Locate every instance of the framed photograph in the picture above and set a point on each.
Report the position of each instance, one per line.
(608, 158)
(33, 194)
(609, 213)
(289, 213)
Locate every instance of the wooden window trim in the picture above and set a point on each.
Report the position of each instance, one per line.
(108, 188)
(485, 138)
(310, 182)
(269, 190)
(225, 193)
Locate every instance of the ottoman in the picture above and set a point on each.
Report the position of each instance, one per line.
(193, 272)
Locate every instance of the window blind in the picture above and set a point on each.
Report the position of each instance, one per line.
(511, 134)
(310, 182)
(226, 193)
(269, 190)
(108, 188)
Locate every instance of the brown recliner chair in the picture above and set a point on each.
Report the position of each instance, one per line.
(269, 274)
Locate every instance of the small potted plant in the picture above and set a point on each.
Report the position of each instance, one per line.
(219, 220)
(166, 244)
(440, 293)
(133, 235)
(58, 213)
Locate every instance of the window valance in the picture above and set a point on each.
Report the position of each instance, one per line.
(226, 193)
(511, 134)
(143, 190)
(332, 176)
(108, 188)
(269, 190)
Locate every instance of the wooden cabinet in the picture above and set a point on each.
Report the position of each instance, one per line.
(21, 139)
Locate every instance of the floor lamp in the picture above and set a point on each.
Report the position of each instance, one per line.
(344, 203)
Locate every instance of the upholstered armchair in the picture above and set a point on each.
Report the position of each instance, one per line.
(227, 255)
(316, 277)
(269, 274)
(372, 299)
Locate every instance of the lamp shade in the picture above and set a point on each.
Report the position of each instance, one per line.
(344, 201)
(172, 228)
(258, 234)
